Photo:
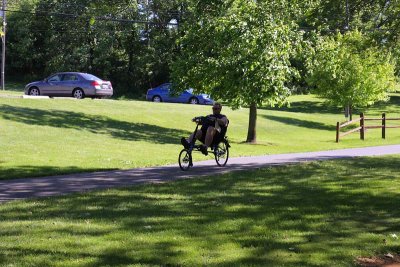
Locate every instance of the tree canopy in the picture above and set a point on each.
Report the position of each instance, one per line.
(350, 71)
(128, 42)
(239, 53)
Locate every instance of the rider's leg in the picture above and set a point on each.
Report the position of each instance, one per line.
(211, 131)
(198, 136)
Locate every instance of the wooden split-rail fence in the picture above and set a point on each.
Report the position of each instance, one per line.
(362, 127)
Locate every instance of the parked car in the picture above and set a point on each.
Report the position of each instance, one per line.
(75, 84)
(162, 93)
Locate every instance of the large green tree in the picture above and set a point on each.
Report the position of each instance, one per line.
(349, 71)
(239, 52)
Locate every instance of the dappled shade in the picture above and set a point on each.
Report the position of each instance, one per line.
(305, 215)
(301, 123)
(93, 123)
(307, 107)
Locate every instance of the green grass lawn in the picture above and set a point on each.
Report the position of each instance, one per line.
(313, 214)
(56, 136)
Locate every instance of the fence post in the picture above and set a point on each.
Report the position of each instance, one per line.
(362, 126)
(337, 132)
(383, 125)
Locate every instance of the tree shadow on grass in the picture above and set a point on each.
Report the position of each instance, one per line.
(301, 123)
(307, 107)
(392, 104)
(7, 173)
(326, 108)
(15, 86)
(276, 216)
(93, 123)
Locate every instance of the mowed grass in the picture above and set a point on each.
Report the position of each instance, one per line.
(57, 136)
(314, 214)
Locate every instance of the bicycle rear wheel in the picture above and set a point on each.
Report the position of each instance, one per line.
(185, 160)
(221, 153)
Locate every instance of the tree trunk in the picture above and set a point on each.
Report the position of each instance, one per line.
(251, 133)
(351, 112)
(348, 112)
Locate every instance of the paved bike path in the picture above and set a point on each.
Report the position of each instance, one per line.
(65, 184)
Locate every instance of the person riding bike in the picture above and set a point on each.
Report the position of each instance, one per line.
(213, 129)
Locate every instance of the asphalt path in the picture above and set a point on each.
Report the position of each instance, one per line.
(65, 184)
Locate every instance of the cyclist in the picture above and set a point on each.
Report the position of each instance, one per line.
(213, 129)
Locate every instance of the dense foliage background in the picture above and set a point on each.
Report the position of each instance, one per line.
(132, 44)
(127, 42)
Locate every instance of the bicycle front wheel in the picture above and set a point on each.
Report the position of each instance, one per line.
(185, 160)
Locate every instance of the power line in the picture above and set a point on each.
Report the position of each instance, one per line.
(88, 18)
(98, 9)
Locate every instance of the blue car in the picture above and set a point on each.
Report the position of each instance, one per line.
(161, 93)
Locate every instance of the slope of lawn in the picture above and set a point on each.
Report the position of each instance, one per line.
(315, 214)
(53, 136)
(13, 89)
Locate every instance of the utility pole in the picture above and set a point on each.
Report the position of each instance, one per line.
(147, 23)
(3, 49)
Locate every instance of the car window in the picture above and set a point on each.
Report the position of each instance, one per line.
(165, 86)
(70, 77)
(55, 78)
(90, 77)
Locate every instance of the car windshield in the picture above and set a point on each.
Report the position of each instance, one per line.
(165, 86)
(90, 77)
(190, 90)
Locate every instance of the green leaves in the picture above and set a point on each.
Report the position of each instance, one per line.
(99, 37)
(92, 21)
(240, 55)
(349, 70)
(239, 52)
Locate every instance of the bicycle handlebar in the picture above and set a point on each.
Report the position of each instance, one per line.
(203, 119)
(197, 119)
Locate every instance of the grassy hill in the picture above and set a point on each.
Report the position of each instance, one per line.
(55, 136)
(310, 214)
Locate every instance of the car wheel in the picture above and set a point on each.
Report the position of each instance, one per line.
(194, 100)
(34, 91)
(157, 98)
(78, 94)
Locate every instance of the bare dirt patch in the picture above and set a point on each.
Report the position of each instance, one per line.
(387, 260)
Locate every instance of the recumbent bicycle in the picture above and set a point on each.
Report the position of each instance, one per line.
(219, 147)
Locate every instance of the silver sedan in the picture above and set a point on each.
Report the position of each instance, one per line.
(74, 84)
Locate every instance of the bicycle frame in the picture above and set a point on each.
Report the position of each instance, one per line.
(192, 145)
(213, 149)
